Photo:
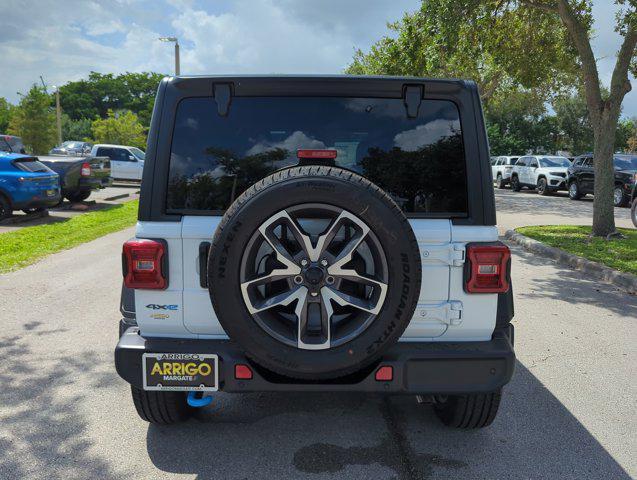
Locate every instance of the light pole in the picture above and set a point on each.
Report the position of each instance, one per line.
(58, 114)
(176, 41)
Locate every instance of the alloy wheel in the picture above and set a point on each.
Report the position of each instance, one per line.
(314, 276)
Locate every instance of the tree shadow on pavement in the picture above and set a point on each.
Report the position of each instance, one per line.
(572, 286)
(529, 203)
(43, 433)
(357, 436)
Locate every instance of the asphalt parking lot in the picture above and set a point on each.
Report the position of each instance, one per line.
(517, 209)
(569, 411)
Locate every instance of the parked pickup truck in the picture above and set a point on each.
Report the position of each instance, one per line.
(80, 175)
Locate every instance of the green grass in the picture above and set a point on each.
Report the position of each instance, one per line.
(27, 245)
(618, 253)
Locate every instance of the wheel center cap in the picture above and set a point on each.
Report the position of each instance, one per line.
(313, 275)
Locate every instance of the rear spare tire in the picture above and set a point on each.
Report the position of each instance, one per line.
(314, 272)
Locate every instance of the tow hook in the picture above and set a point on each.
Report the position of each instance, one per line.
(198, 399)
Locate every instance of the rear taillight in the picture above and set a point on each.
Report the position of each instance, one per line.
(144, 264)
(487, 268)
(86, 170)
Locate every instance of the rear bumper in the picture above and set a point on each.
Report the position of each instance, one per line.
(39, 202)
(419, 368)
(94, 183)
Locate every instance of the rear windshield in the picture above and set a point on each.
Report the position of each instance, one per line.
(625, 162)
(31, 165)
(419, 161)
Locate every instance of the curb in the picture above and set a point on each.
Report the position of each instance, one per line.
(625, 281)
(117, 197)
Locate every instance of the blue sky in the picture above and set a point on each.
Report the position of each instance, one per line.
(65, 40)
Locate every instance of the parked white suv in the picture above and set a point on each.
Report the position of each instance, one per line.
(546, 174)
(127, 163)
(501, 169)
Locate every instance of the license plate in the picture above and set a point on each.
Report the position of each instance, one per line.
(51, 193)
(180, 371)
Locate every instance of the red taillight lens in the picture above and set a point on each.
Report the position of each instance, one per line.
(144, 264)
(242, 372)
(316, 154)
(86, 170)
(487, 272)
(384, 374)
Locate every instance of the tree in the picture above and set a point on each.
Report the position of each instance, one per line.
(626, 135)
(81, 129)
(518, 123)
(34, 121)
(631, 141)
(508, 45)
(93, 97)
(573, 123)
(603, 110)
(482, 40)
(5, 114)
(122, 128)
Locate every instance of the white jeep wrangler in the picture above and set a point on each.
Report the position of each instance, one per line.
(316, 234)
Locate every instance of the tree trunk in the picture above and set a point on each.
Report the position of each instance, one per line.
(603, 209)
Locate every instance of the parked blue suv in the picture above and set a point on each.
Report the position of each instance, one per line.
(26, 184)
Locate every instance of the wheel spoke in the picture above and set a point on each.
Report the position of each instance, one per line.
(282, 299)
(304, 310)
(345, 255)
(267, 230)
(353, 276)
(370, 305)
(273, 276)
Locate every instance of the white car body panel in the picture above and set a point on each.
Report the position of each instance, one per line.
(503, 167)
(444, 312)
(127, 170)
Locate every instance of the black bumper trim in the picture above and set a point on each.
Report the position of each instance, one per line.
(419, 368)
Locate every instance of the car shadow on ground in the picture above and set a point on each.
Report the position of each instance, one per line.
(572, 286)
(294, 435)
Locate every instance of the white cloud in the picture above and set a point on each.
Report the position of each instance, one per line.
(65, 41)
(292, 143)
(412, 140)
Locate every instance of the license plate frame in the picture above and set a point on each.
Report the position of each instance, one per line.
(200, 383)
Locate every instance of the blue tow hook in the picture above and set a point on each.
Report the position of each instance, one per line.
(198, 400)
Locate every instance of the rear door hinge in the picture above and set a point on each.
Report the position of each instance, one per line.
(452, 254)
(449, 313)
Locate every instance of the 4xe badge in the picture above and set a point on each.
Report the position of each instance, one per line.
(154, 306)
